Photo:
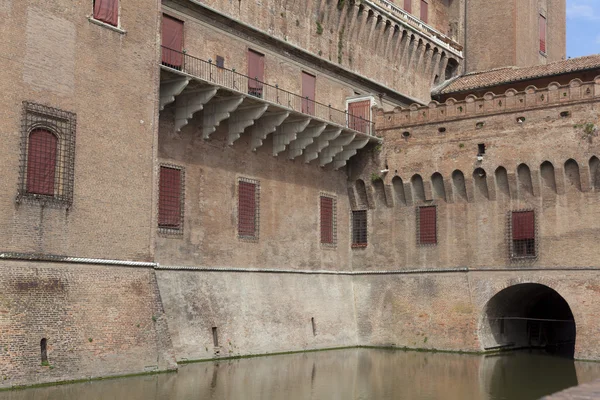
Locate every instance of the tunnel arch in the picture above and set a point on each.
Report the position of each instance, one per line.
(528, 315)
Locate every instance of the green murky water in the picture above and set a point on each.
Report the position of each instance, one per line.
(355, 374)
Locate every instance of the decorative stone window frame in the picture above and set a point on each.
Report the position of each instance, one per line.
(418, 226)
(63, 125)
(173, 231)
(103, 24)
(333, 243)
(255, 236)
(509, 237)
(354, 245)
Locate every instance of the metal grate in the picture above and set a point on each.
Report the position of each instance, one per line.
(522, 235)
(359, 228)
(47, 155)
(248, 209)
(427, 225)
(328, 220)
(171, 186)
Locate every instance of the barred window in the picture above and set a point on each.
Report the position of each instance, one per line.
(328, 220)
(47, 155)
(248, 210)
(523, 234)
(170, 199)
(359, 228)
(427, 225)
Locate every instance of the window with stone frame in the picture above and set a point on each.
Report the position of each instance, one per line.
(523, 244)
(47, 155)
(248, 208)
(328, 220)
(107, 11)
(171, 184)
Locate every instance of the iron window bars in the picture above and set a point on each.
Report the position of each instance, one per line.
(328, 220)
(47, 160)
(522, 232)
(248, 208)
(359, 228)
(427, 226)
(171, 199)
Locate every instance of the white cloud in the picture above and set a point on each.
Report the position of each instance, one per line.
(583, 9)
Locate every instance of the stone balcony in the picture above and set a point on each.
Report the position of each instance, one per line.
(300, 127)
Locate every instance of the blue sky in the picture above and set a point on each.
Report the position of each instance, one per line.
(583, 27)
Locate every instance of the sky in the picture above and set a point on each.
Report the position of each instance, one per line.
(583, 27)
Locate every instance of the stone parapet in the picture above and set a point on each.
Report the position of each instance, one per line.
(489, 104)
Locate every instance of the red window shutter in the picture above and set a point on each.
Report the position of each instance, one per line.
(107, 11)
(172, 41)
(169, 198)
(41, 162)
(542, 34)
(359, 114)
(246, 209)
(408, 6)
(256, 73)
(424, 11)
(427, 225)
(308, 93)
(523, 225)
(326, 219)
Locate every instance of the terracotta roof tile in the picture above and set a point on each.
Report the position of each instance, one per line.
(478, 80)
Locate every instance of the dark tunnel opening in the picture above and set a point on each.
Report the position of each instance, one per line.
(530, 315)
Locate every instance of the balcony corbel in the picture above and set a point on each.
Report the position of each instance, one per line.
(348, 151)
(266, 125)
(189, 103)
(287, 132)
(313, 150)
(242, 118)
(304, 139)
(217, 111)
(170, 89)
(335, 147)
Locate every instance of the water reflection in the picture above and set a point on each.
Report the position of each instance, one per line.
(359, 374)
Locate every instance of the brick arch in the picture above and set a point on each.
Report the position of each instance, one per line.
(361, 193)
(502, 185)
(527, 313)
(548, 177)
(572, 174)
(525, 183)
(480, 183)
(459, 185)
(399, 193)
(418, 188)
(594, 165)
(437, 184)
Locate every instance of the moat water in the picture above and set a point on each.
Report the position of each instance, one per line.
(351, 374)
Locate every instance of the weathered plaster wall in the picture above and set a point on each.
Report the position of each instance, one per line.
(256, 313)
(97, 320)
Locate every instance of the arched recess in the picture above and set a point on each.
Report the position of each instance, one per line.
(480, 181)
(361, 193)
(380, 199)
(502, 182)
(458, 182)
(548, 178)
(437, 182)
(398, 186)
(524, 178)
(418, 188)
(528, 315)
(595, 172)
(572, 173)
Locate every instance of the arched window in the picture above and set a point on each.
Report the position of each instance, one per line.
(41, 162)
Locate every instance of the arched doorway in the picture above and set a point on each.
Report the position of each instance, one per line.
(529, 315)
